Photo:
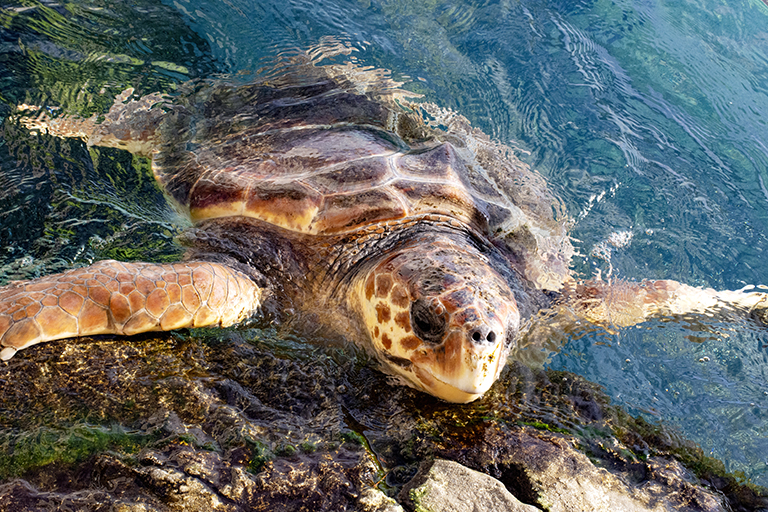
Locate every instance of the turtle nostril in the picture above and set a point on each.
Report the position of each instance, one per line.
(481, 334)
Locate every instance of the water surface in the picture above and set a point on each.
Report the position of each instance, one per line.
(647, 117)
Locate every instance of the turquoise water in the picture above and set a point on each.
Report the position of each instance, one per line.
(646, 117)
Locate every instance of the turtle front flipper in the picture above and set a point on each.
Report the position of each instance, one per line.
(130, 124)
(111, 297)
(623, 303)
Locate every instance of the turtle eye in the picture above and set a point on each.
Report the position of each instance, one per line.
(427, 324)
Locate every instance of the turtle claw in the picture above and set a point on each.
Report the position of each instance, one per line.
(130, 123)
(6, 353)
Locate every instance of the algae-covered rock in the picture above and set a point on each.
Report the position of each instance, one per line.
(252, 422)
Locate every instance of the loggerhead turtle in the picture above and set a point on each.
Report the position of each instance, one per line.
(402, 227)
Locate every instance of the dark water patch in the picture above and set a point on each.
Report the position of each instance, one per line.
(64, 205)
(79, 55)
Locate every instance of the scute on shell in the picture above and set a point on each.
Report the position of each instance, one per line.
(320, 158)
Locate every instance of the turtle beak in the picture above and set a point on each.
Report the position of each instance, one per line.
(469, 361)
(476, 377)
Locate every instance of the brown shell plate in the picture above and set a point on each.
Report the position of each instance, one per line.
(319, 159)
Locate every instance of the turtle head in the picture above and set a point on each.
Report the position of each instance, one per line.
(443, 319)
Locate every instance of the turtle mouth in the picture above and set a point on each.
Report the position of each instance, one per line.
(470, 384)
(420, 377)
(444, 390)
(426, 381)
(400, 362)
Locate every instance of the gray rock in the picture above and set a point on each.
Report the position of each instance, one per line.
(547, 470)
(566, 480)
(373, 500)
(446, 486)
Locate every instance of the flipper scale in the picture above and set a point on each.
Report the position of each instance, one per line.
(111, 297)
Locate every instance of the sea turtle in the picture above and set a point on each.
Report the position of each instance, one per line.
(396, 223)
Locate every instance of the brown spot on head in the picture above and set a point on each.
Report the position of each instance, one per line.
(386, 341)
(383, 285)
(369, 287)
(410, 342)
(400, 297)
(403, 320)
(383, 312)
(376, 331)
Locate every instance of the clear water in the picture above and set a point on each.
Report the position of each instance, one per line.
(646, 116)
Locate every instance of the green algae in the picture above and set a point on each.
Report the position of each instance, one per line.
(417, 495)
(353, 437)
(539, 425)
(286, 450)
(28, 451)
(308, 447)
(260, 454)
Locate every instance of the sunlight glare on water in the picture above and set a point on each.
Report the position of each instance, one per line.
(647, 118)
